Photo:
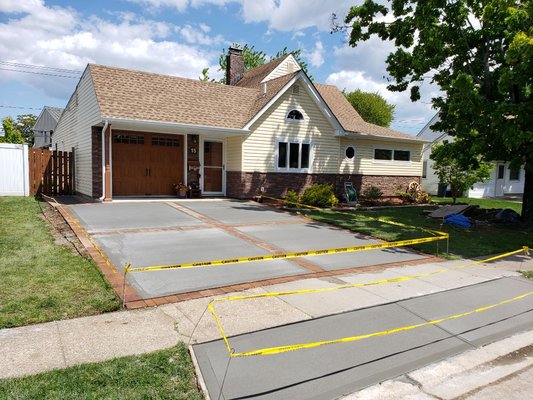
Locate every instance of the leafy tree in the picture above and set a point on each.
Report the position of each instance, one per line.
(11, 134)
(480, 54)
(372, 107)
(253, 58)
(25, 124)
(452, 170)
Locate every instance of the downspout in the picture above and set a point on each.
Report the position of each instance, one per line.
(106, 124)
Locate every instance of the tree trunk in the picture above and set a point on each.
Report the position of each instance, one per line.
(527, 200)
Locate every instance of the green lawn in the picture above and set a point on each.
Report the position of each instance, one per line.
(166, 374)
(40, 280)
(482, 203)
(478, 241)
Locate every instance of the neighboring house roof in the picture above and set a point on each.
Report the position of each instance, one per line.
(55, 112)
(144, 96)
(350, 119)
(48, 119)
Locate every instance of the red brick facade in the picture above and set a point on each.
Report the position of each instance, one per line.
(244, 185)
(96, 154)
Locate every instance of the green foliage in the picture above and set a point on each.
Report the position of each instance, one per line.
(319, 195)
(372, 193)
(11, 134)
(291, 199)
(253, 58)
(25, 124)
(480, 54)
(165, 374)
(42, 280)
(413, 194)
(450, 170)
(372, 107)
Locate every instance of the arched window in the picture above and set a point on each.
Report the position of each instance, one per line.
(295, 115)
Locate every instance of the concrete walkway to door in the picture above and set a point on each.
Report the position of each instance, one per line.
(175, 232)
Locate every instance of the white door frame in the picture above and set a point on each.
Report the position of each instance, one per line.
(202, 143)
(499, 182)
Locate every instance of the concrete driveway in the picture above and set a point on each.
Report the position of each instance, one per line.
(174, 232)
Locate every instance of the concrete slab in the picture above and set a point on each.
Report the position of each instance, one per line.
(395, 290)
(175, 247)
(313, 236)
(237, 211)
(116, 334)
(30, 349)
(116, 216)
(485, 327)
(324, 372)
(330, 371)
(325, 303)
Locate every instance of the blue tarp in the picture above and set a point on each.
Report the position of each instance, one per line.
(458, 220)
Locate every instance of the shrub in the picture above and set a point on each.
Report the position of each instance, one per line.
(372, 193)
(291, 198)
(414, 194)
(319, 196)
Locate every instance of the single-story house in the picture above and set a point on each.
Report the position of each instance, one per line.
(45, 126)
(268, 129)
(503, 180)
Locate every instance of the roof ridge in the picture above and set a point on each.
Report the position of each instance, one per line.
(198, 81)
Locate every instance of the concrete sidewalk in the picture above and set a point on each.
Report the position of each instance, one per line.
(32, 349)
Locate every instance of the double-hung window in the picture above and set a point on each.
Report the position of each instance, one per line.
(294, 155)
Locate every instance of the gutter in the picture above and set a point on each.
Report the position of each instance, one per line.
(106, 124)
(147, 124)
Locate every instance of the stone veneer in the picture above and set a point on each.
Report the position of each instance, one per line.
(244, 185)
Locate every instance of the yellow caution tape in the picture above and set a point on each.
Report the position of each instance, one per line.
(282, 349)
(310, 253)
(300, 346)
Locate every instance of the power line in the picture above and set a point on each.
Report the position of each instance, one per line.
(40, 67)
(39, 73)
(21, 108)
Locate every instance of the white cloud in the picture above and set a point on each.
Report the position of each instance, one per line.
(199, 36)
(179, 5)
(290, 15)
(316, 57)
(59, 37)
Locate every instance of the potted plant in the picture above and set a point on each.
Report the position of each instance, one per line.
(181, 190)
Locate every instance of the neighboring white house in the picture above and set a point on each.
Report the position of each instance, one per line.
(503, 180)
(45, 126)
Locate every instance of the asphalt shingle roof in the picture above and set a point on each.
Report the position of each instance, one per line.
(137, 95)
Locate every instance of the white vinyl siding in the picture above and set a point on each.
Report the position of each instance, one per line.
(234, 153)
(288, 66)
(74, 130)
(259, 148)
(365, 164)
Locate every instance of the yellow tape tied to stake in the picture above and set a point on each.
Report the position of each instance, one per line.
(283, 349)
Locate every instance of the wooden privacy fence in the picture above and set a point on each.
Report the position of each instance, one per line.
(51, 172)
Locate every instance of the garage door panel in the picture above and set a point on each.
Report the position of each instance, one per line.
(146, 163)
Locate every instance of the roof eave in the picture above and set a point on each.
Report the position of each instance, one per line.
(172, 127)
(360, 135)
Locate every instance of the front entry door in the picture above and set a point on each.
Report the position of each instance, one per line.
(213, 176)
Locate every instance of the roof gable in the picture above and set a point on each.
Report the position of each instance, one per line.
(350, 119)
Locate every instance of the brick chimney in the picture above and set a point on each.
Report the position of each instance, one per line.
(234, 66)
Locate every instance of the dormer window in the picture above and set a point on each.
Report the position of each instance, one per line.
(295, 115)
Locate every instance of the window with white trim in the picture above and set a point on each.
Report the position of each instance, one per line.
(392, 155)
(514, 174)
(293, 156)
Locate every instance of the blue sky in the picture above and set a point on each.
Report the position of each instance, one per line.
(179, 37)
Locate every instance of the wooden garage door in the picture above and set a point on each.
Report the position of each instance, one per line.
(146, 163)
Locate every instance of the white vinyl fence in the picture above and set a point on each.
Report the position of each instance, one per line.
(14, 176)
